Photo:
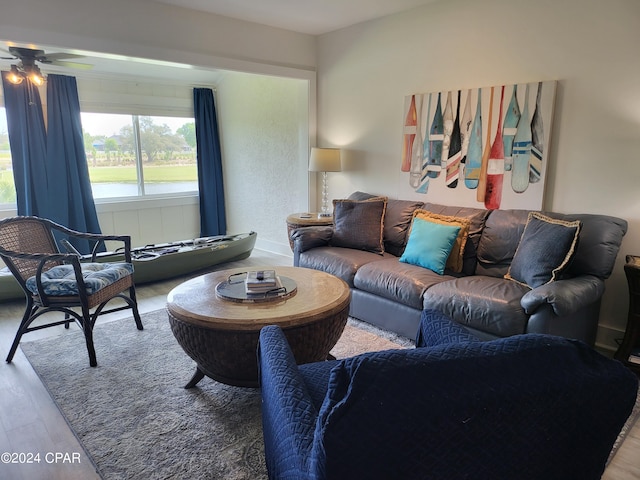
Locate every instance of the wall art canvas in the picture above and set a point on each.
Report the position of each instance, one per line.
(480, 147)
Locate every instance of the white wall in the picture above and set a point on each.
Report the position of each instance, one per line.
(264, 132)
(589, 46)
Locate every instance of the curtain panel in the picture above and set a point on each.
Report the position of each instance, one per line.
(68, 182)
(49, 164)
(28, 140)
(213, 219)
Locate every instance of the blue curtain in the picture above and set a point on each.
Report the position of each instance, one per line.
(68, 183)
(27, 136)
(213, 220)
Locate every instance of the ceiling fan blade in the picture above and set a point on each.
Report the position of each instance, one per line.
(10, 57)
(52, 57)
(79, 66)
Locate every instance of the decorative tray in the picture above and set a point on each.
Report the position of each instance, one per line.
(234, 290)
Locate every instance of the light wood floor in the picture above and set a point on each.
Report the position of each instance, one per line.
(31, 423)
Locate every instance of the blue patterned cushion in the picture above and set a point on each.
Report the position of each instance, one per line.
(60, 281)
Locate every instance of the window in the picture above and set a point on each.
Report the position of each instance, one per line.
(7, 187)
(127, 155)
(135, 155)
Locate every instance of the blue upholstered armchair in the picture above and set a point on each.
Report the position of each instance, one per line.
(526, 407)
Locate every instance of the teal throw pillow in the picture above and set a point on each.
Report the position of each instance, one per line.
(429, 244)
(545, 250)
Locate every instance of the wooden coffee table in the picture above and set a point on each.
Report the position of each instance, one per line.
(222, 335)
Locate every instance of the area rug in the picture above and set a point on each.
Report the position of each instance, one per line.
(135, 419)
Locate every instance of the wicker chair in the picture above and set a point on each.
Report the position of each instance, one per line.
(64, 282)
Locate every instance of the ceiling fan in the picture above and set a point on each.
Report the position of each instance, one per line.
(29, 58)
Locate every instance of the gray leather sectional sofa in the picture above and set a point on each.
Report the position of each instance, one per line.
(392, 294)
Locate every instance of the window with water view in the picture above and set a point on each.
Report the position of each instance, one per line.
(127, 155)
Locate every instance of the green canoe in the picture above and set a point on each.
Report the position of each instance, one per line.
(162, 261)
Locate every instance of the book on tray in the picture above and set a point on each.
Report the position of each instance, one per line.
(262, 281)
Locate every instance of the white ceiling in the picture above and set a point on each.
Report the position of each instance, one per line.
(314, 17)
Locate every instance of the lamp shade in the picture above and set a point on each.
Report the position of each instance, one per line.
(325, 160)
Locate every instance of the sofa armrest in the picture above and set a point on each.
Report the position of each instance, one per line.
(565, 296)
(306, 238)
(288, 414)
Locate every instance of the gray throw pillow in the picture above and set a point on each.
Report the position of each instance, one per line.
(545, 249)
(359, 224)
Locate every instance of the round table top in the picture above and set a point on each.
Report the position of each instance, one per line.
(319, 295)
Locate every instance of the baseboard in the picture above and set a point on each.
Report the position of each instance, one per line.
(274, 247)
(608, 338)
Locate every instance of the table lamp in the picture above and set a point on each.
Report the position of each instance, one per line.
(325, 160)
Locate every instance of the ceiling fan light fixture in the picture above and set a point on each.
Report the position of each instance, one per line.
(14, 76)
(36, 77)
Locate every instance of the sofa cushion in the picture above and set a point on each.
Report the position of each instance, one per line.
(341, 262)
(499, 241)
(397, 281)
(484, 303)
(455, 259)
(429, 244)
(397, 219)
(359, 224)
(545, 249)
(598, 244)
(359, 196)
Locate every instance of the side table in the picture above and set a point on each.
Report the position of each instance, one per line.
(631, 339)
(297, 220)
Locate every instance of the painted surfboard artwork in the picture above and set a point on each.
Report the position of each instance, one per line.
(436, 138)
(424, 176)
(409, 132)
(455, 148)
(490, 143)
(474, 154)
(482, 183)
(415, 171)
(537, 140)
(510, 126)
(495, 166)
(522, 150)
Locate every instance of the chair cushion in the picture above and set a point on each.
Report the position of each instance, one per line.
(60, 281)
